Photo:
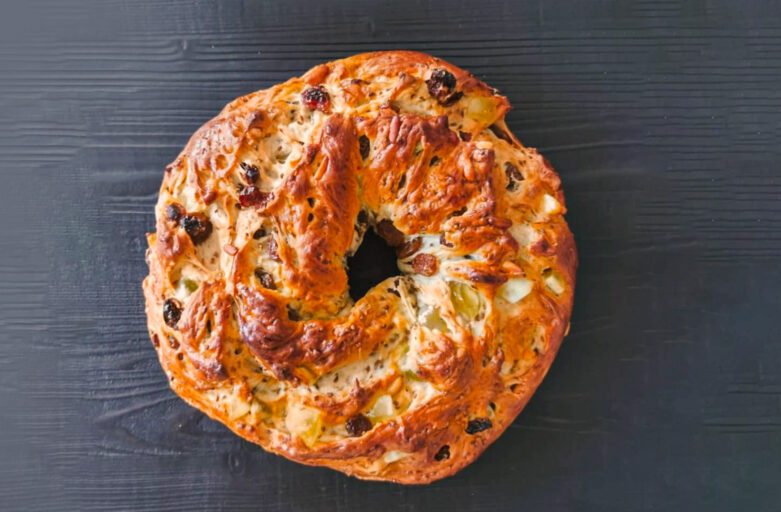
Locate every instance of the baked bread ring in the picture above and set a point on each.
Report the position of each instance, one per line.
(247, 298)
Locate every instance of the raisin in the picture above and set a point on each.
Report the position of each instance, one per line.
(172, 312)
(409, 248)
(434, 161)
(365, 146)
(442, 86)
(443, 241)
(255, 119)
(477, 425)
(292, 313)
(513, 175)
(251, 173)
(466, 137)
(425, 264)
(442, 454)
(265, 279)
(402, 182)
(316, 98)
(479, 276)
(389, 233)
(174, 212)
(457, 213)
(258, 234)
(542, 246)
(358, 425)
(252, 196)
(197, 226)
(442, 79)
(210, 196)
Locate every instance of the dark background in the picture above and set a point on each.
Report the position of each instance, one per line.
(663, 120)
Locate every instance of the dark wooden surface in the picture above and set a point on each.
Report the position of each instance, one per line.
(663, 120)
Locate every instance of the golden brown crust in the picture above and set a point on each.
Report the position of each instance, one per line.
(247, 298)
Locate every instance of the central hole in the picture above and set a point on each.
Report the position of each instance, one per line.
(374, 261)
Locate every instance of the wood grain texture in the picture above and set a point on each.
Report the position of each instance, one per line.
(663, 120)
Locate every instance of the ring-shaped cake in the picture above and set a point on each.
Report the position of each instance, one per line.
(247, 296)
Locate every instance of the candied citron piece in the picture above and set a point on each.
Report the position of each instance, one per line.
(383, 408)
(304, 422)
(552, 282)
(433, 320)
(393, 455)
(411, 375)
(185, 287)
(465, 299)
(238, 408)
(515, 289)
(550, 205)
(482, 109)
